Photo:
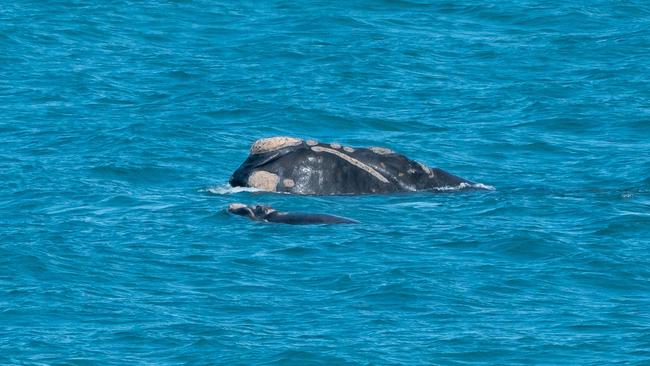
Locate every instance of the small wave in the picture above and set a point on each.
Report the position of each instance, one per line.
(227, 189)
(483, 186)
(419, 205)
(465, 186)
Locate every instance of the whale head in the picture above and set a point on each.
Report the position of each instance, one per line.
(253, 212)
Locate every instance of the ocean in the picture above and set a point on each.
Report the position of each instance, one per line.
(122, 121)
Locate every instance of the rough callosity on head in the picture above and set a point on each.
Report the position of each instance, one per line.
(235, 206)
(381, 150)
(240, 209)
(274, 143)
(253, 212)
(263, 180)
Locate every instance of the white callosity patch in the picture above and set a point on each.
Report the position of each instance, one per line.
(348, 149)
(263, 180)
(381, 150)
(352, 161)
(289, 183)
(312, 142)
(274, 143)
(335, 145)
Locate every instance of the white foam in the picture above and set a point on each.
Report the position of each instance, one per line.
(484, 186)
(465, 186)
(227, 189)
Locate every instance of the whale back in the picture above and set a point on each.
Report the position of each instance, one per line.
(295, 166)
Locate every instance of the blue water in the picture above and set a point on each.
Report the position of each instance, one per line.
(121, 122)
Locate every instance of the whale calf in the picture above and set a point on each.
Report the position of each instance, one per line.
(269, 214)
(292, 165)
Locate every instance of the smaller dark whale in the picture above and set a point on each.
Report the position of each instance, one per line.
(269, 214)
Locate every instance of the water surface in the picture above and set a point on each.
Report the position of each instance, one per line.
(120, 123)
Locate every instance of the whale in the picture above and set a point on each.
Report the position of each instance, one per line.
(269, 214)
(292, 165)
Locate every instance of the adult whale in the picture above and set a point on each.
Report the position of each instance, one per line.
(269, 214)
(291, 165)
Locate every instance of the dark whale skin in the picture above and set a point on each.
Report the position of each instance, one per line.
(307, 219)
(320, 169)
(269, 214)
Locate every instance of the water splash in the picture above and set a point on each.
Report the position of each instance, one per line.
(463, 186)
(226, 189)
